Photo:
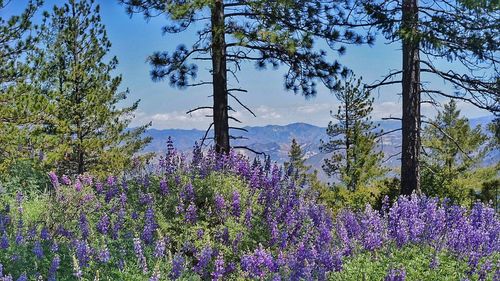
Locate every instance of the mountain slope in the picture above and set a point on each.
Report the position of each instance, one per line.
(274, 140)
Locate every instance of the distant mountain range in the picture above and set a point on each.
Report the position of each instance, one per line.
(275, 140)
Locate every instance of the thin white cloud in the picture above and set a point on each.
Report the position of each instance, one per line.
(312, 113)
(266, 112)
(314, 108)
(386, 109)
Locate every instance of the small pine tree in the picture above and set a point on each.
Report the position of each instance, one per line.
(494, 128)
(296, 167)
(296, 158)
(89, 131)
(352, 142)
(451, 152)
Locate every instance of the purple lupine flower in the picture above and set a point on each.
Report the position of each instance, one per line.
(118, 223)
(104, 256)
(159, 248)
(223, 235)
(19, 198)
(372, 229)
(31, 233)
(200, 233)
(19, 235)
(145, 182)
(236, 211)
(141, 259)
(111, 193)
(86, 179)
(177, 267)
(204, 259)
(248, 217)
(38, 250)
(4, 242)
(54, 266)
(164, 187)
(188, 248)
(485, 269)
(99, 187)
(191, 213)
(82, 252)
(188, 193)
(103, 224)
(219, 203)
(65, 180)
(23, 277)
(236, 242)
(54, 248)
(84, 226)
(146, 199)
(149, 226)
(258, 263)
(44, 233)
(134, 215)
(54, 179)
(111, 181)
(219, 271)
(78, 185)
(395, 275)
(2, 222)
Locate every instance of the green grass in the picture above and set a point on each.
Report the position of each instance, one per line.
(415, 260)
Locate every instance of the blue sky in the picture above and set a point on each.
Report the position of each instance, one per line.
(134, 39)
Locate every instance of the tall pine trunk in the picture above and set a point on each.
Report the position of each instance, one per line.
(219, 78)
(410, 157)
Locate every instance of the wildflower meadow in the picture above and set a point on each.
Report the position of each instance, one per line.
(223, 217)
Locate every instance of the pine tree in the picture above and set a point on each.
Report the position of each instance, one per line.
(494, 128)
(464, 32)
(451, 152)
(352, 141)
(296, 158)
(16, 39)
(231, 32)
(302, 173)
(21, 108)
(89, 131)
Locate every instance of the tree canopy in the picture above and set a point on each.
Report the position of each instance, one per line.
(87, 131)
(229, 33)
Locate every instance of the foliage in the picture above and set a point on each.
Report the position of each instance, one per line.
(490, 193)
(88, 130)
(25, 175)
(297, 168)
(231, 33)
(338, 197)
(352, 142)
(415, 262)
(452, 152)
(494, 128)
(220, 217)
(296, 158)
(464, 33)
(21, 108)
